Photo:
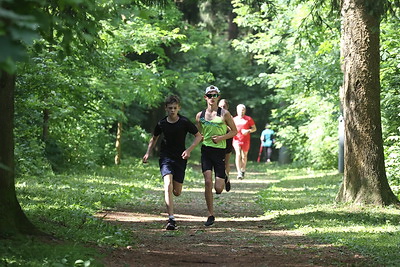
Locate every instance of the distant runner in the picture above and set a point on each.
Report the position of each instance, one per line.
(241, 142)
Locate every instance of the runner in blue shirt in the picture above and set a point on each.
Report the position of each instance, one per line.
(267, 141)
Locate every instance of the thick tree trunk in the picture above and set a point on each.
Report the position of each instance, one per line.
(365, 178)
(12, 218)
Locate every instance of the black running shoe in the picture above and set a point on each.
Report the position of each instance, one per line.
(227, 183)
(210, 221)
(171, 225)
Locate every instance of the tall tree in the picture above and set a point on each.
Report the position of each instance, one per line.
(12, 218)
(365, 178)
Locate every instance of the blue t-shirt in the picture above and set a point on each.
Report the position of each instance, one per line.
(267, 137)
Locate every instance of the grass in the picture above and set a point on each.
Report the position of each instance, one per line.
(299, 198)
(303, 199)
(64, 206)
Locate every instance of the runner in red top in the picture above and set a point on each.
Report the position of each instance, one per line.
(241, 142)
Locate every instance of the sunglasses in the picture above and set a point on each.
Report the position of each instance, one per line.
(212, 95)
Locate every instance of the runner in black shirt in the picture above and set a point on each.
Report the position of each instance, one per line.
(173, 154)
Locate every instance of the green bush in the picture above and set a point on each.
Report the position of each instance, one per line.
(308, 127)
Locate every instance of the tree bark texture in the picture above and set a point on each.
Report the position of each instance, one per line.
(364, 178)
(12, 219)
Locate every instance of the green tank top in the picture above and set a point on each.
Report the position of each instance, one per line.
(216, 126)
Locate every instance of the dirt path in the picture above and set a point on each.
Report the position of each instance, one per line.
(239, 237)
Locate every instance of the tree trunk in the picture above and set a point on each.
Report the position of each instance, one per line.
(12, 219)
(117, 158)
(233, 29)
(46, 119)
(118, 148)
(364, 178)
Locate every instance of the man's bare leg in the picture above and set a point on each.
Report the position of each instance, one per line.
(168, 193)
(208, 194)
(244, 162)
(171, 188)
(208, 183)
(219, 185)
(238, 161)
(177, 188)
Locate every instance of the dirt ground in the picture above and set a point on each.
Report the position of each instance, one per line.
(241, 236)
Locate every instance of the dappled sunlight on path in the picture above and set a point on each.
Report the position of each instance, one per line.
(133, 217)
(241, 235)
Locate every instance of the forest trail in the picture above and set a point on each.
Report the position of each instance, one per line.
(241, 236)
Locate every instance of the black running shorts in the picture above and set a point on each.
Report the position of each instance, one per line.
(229, 146)
(176, 167)
(212, 157)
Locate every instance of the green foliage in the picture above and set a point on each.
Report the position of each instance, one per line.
(392, 162)
(78, 119)
(136, 56)
(390, 76)
(309, 129)
(30, 156)
(305, 79)
(60, 23)
(87, 93)
(17, 28)
(284, 66)
(303, 199)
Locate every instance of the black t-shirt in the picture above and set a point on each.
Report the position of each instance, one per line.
(173, 142)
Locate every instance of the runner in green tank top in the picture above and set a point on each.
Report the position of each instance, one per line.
(212, 124)
(214, 127)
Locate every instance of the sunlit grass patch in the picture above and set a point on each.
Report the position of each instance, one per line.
(64, 205)
(28, 251)
(306, 202)
(370, 231)
(298, 191)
